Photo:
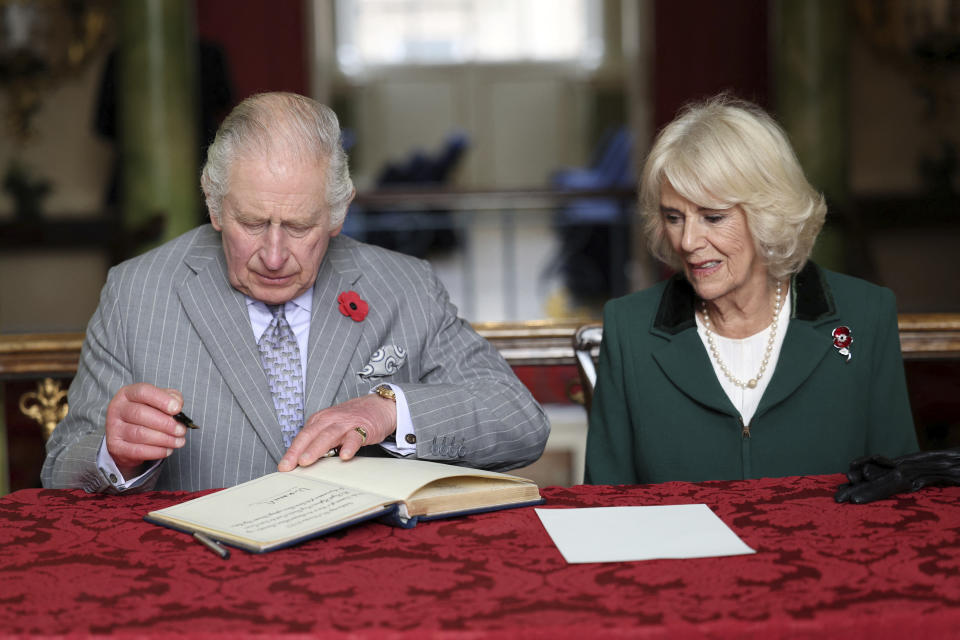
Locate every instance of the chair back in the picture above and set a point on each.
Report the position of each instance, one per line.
(586, 348)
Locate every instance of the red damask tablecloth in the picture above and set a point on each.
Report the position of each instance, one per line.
(76, 565)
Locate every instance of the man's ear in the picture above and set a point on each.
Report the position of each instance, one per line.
(334, 232)
(214, 219)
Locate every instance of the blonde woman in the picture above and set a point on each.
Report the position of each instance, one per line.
(751, 361)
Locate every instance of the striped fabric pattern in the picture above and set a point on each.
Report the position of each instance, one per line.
(171, 318)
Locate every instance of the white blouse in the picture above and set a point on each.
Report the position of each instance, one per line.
(743, 358)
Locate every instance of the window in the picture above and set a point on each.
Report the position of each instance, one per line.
(378, 33)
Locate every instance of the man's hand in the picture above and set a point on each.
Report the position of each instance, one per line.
(140, 425)
(336, 427)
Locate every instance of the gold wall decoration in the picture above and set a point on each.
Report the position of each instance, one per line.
(920, 39)
(42, 42)
(47, 405)
(921, 30)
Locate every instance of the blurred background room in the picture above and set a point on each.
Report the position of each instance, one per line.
(497, 139)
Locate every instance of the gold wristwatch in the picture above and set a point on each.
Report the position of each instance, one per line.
(384, 391)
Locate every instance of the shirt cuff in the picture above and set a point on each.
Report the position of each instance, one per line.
(108, 469)
(406, 436)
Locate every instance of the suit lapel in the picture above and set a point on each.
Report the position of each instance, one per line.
(333, 336)
(805, 345)
(219, 314)
(686, 363)
(682, 357)
(803, 349)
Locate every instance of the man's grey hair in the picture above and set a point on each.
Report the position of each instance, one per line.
(284, 123)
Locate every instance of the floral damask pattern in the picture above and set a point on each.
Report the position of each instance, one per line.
(78, 564)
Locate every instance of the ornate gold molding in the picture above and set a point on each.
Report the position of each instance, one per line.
(47, 405)
(40, 353)
(925, 336)
(539, 342)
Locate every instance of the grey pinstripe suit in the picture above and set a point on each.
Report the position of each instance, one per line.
(171, 318)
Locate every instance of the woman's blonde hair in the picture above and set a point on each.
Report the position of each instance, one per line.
(726, 152)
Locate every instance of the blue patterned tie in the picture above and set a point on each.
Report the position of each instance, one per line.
(280, 357)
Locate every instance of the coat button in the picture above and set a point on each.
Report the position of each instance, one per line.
(410, 438)
(113, 478)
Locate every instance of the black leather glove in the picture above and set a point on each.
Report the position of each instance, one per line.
(876, 477)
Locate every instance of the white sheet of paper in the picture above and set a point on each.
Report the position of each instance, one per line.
(618, 534)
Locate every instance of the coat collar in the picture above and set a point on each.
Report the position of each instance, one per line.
(809, 292)
(686, 362)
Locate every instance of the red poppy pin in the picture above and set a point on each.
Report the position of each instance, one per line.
(842, 341)
(352, 305)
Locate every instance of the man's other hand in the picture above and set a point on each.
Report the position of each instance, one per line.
(336, 427)
(140, 425)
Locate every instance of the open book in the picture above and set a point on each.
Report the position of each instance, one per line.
(283, 508)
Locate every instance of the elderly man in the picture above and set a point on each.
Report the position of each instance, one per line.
(281, 338)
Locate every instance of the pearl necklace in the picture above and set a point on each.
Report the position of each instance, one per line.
(752, 382)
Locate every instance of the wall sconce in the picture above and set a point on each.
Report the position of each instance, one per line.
(42, 42)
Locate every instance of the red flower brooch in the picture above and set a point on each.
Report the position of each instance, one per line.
(842, 341)
(352, 305)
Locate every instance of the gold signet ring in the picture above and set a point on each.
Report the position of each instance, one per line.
(363, 435)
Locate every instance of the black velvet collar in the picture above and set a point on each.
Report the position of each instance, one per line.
(811, 297)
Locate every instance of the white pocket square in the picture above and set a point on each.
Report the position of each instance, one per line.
(385, 361)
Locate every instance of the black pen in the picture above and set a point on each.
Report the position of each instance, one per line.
(212, 544)
(184, 420)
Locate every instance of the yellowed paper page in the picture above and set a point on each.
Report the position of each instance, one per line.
(273, 508)
(395, 478)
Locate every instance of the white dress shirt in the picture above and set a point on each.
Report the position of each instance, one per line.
(297, 312)
(743, 358)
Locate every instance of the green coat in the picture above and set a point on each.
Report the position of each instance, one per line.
(659, 412)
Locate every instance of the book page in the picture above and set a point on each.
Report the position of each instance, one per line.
(396, 478)
(463, 493)
(276, 507)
